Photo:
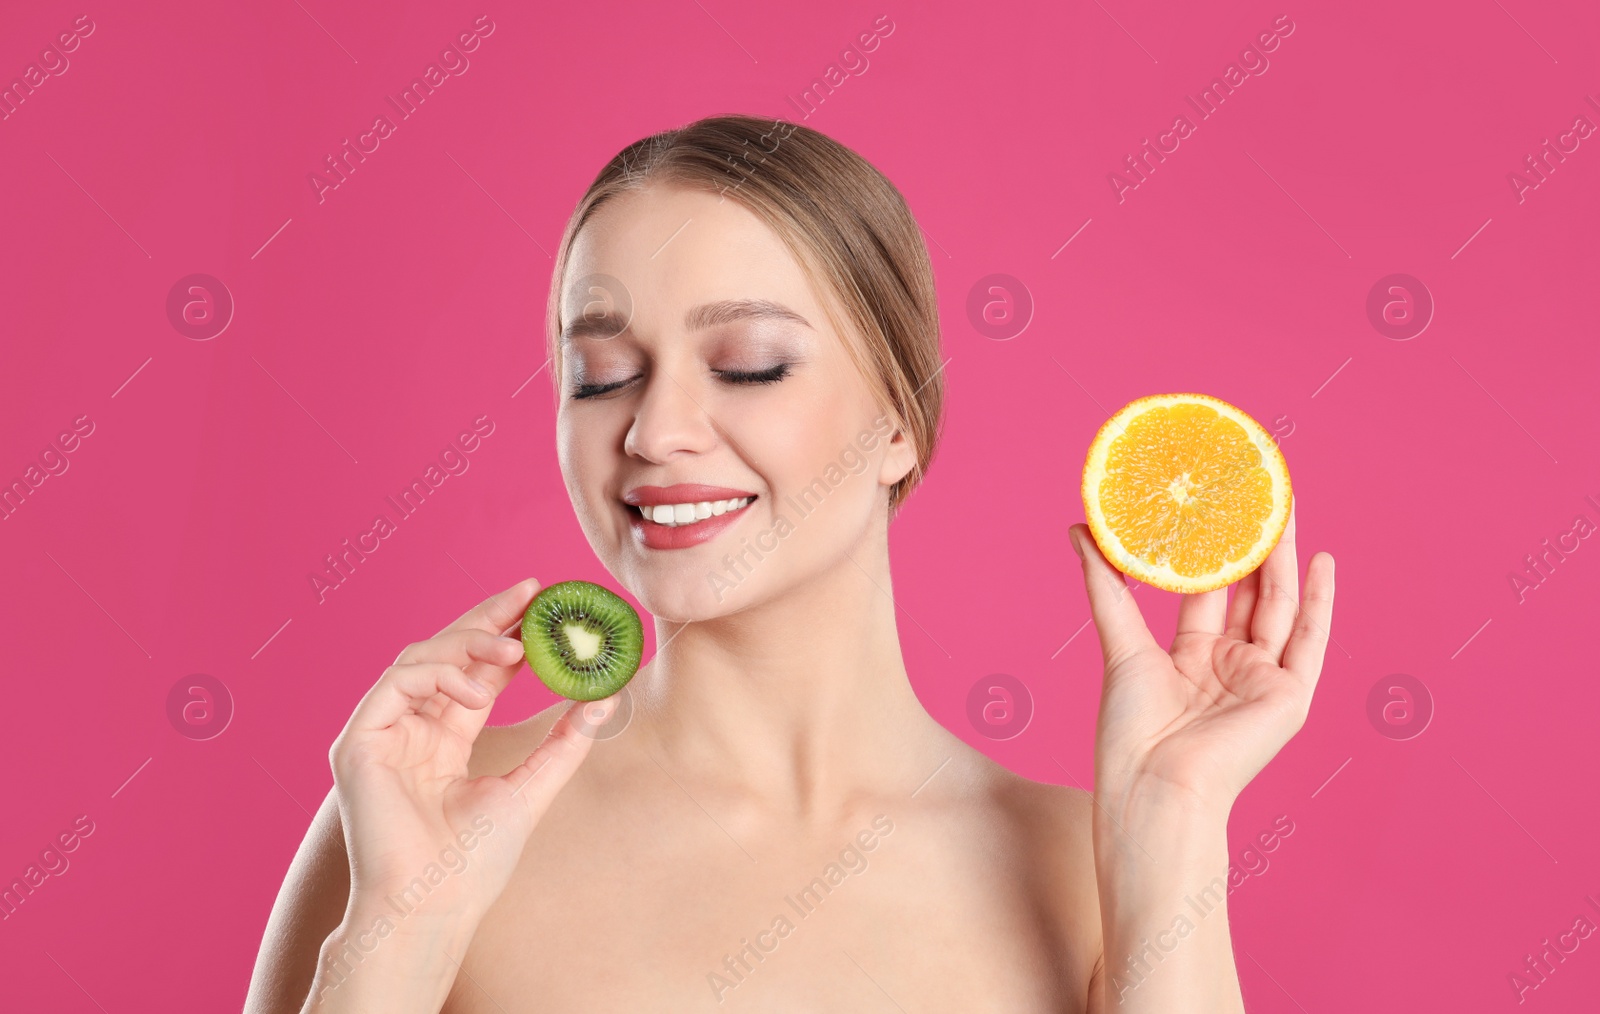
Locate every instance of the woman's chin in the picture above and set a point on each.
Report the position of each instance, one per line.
(675, 603)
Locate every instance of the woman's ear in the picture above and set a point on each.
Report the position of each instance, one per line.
(898, 459)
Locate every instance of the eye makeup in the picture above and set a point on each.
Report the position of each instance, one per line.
(770, 375)
(742, 359)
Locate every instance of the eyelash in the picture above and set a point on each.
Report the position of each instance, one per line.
(771, 375)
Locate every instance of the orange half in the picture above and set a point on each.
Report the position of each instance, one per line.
(1185, 492)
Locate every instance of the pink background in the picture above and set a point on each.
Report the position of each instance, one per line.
(374, 326)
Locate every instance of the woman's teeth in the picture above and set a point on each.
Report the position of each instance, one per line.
(674, 514)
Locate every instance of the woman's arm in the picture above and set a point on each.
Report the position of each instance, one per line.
(310, 905)
(1181, 733)
(315, 957)
(1164, 915)
(363, 923)
(373, 962)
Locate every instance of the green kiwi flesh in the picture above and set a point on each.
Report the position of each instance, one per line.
(583, 641)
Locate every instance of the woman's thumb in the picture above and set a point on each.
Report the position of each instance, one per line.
(1116, 615)
(538, 779)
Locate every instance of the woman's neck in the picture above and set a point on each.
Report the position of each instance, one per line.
(803, 700)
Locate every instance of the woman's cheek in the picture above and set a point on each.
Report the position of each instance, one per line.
(582, 462)
(788, 444)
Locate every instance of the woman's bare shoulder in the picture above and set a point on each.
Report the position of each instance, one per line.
(1060, 815)
(1051, 826)
(1057, 818)
(1044, 832)
(1054, 822)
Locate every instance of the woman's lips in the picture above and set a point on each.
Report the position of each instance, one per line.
(682, 536)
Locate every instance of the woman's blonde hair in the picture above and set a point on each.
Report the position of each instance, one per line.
(842, 219)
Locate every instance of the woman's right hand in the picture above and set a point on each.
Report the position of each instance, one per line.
(409, 810)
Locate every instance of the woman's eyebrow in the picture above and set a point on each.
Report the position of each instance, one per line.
(604, 324)
(595, 324)
(729, 310)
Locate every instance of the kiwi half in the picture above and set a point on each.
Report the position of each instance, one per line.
(583, 641)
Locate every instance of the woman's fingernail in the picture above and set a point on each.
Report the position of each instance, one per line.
(1072, 537)
(480, 687)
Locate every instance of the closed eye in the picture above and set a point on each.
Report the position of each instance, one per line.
(590, 390)
(768, 376)
(771, 375)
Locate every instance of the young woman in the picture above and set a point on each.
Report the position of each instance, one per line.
(743, 314)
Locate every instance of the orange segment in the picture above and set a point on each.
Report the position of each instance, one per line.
(1185, 492)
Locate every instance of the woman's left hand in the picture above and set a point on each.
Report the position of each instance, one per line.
(1191, 726)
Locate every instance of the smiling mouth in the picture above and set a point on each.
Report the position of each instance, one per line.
(680, 515)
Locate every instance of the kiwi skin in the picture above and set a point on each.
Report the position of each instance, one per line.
(602, 612)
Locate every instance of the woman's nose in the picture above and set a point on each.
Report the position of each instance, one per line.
(671, 419)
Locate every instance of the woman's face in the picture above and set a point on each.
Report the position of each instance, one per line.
(696, 353)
